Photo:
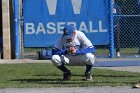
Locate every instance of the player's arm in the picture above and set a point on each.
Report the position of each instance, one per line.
(57, 49)
(88, 47)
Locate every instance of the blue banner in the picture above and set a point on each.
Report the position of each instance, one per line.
(45, 19)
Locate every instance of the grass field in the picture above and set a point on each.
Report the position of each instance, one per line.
(46, 75)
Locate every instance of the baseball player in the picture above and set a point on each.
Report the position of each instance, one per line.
(73, 48)
(117, 11)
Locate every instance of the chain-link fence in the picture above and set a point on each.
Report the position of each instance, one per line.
(126, 15)
(130, 27)
(126, 29)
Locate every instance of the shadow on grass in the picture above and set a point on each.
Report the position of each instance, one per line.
(58, 75)
(94, 75)
(48, 81)
(119, 76)
(35, 80)
(73, 83)
(78, 80)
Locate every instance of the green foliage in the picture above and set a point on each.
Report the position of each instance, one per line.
(46, 75)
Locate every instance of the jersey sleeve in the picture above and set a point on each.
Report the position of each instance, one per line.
(59, 44)
(58, 48)
(85, 42)
(87, 46)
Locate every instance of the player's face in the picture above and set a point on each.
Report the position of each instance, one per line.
(70, 39)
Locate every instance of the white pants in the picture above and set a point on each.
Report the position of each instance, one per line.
(77, 60)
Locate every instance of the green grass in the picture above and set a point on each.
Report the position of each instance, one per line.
(46, 75)
(124, 51)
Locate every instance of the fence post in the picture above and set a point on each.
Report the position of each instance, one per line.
(16, 23)
(6, 29)
(111, 32)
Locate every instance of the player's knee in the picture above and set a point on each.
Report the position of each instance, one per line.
(90, 59)
(56, 60)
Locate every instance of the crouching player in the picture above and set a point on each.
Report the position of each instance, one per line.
(73, 48)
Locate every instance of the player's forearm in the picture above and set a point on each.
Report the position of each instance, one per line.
(86, 50)
(56, 51)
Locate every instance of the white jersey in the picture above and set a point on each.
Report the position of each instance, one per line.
(80, 42)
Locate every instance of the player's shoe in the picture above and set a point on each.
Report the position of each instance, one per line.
(88, 77)
(118, 55)
(67, 75)
(138, 55)
(136, 85)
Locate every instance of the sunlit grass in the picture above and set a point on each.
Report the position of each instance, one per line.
(46, 75)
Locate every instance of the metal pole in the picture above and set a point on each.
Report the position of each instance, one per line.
(111, 31)
(16, 22)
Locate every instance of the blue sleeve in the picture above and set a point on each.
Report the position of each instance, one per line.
(56, 51)
(90, 49)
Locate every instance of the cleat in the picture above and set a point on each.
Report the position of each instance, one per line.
(118, 55)
(88, 77)
(67, 75)
(136, 85)
(137, 56)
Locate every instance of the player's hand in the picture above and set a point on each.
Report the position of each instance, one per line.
(72, 50)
